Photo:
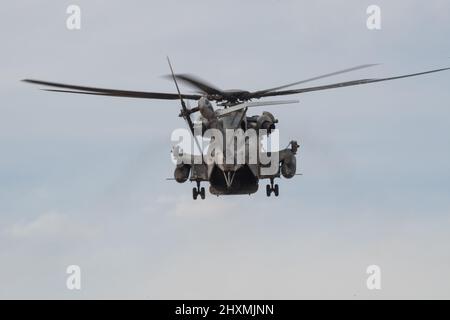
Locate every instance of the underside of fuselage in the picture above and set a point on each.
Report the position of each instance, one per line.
(243, 181)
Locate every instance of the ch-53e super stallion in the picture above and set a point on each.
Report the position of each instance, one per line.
(219, 165)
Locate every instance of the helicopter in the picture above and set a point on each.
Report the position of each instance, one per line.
(230, 168)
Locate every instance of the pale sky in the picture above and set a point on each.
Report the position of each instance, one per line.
(83, 178)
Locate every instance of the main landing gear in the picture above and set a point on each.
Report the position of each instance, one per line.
(198, 191)
(272, 188)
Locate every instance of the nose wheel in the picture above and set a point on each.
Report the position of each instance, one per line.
(272, 188)
(198, 192)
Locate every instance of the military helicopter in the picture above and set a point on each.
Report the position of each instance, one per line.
(218, 165)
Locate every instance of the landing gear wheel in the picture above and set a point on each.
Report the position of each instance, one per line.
(194, 193)
(198, 191)
(202, 193)
(272, 188)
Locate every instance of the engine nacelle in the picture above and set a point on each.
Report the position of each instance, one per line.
(289, 165)
(182, 172)
(266, 121)
(206, 109)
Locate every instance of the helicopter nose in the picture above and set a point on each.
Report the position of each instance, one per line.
(228, 167)
(225, 167)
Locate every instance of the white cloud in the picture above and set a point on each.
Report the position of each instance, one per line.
(49, 225)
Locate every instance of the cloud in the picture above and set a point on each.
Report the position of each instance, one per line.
(52, 225)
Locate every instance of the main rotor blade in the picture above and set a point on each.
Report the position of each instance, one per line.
(110, 92)
(198, 83)
(346, 84)
(255, 94)
(185, 113)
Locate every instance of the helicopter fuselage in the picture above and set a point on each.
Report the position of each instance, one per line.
(234, 160)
